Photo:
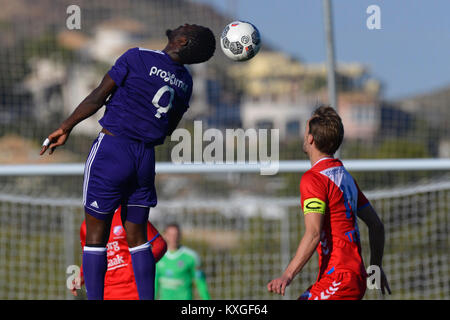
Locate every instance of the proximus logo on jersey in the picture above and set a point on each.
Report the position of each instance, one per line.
(167, 76)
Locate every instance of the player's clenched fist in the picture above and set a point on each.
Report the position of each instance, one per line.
(279, 285)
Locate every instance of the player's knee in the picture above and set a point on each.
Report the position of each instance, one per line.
(136, 234)
(136, 225)
(96, 240)
(97, 231)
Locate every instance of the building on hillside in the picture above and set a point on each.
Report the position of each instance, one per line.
(431, 112)
(288, 116)
(281, 92)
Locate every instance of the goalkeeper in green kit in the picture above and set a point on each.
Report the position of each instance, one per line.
(178, 270)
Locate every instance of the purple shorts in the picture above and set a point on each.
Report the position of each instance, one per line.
(119, 171)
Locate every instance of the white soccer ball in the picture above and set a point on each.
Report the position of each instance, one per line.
(240, 40)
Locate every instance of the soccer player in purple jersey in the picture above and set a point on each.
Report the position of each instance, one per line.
(146, 93)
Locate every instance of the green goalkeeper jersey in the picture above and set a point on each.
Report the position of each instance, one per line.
(175, 274)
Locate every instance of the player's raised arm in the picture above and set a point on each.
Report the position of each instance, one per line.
(90, 105)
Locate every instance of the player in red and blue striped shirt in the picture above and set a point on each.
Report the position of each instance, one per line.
(332, 202)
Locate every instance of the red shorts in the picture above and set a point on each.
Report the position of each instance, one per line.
(121, 292)
(337, 286)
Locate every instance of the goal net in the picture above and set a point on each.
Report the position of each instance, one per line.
(243, 240)
(244, 226)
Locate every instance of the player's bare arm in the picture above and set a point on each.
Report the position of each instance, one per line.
(376, 240)
(90, 105)
(306, 248)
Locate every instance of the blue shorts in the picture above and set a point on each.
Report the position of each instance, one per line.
(119, 171)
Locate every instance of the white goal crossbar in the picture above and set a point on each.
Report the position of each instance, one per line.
(366, 165)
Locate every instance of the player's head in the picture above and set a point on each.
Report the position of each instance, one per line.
(192, 43)
(172, 235)
(324, 131)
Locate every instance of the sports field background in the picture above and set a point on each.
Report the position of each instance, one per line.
(244, 226)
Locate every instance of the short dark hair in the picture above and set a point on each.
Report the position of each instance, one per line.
(327, 129)
(200, 47)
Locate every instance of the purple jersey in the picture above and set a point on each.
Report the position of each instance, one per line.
(149, 83)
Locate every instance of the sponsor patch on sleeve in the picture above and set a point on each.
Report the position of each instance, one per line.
(314, 205)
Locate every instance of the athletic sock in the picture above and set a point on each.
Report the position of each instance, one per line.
(94, 269)
(144, 270)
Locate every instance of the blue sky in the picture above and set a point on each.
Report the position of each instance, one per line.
(410, 54)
